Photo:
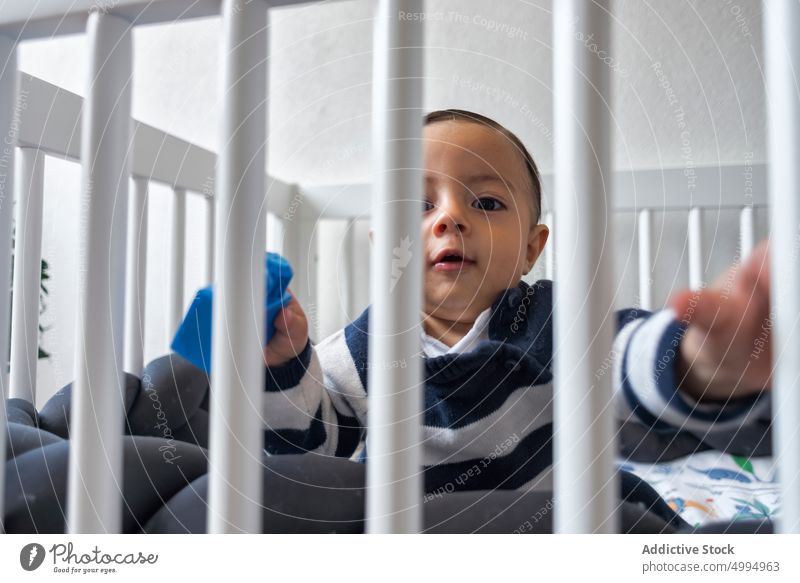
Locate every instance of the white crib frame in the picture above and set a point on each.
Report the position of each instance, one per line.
(113, 149)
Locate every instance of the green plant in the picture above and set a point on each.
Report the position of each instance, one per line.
(43, 293)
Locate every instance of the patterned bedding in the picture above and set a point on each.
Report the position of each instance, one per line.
(712, 486)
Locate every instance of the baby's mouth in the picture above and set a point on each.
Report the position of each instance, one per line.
(450, 260)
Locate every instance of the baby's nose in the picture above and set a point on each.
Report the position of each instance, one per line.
(447, 221)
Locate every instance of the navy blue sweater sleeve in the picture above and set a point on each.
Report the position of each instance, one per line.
(306, 411)
(646, 351)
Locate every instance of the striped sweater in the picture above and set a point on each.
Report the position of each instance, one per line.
(488, 412)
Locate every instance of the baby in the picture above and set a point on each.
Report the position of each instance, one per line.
(488, 378)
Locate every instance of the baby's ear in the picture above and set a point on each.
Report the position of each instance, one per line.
(537, 238)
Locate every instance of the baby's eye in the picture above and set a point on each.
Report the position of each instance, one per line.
(488, 203)
(427, 206)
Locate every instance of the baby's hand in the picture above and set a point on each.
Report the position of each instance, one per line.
(291, 335)
(726, 352)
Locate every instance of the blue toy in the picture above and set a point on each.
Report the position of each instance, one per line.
(193, 339)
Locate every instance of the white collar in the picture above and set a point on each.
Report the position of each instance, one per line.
(433, 347)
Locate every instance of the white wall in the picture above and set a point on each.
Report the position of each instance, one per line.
(492, 58)
(320, 72)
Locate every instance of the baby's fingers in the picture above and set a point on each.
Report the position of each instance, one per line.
(291, 325)
(707, 309)
(755, 272)
(284, 320)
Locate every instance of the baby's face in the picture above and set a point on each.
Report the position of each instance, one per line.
(478, 225)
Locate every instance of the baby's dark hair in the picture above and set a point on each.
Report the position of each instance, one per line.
(463, 115)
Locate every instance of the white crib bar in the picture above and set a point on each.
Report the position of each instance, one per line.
(348, 274)
(136, 277)
(29, 185)
(208, 269)
(177, 254)
(695, 235)
(586, 489)
(299, 244)
(782, 57)
(275, 234)
(95, 466)
(237, 381)
(394, 469)
(645, 239)
(9, 128)
(746, 231)
(302, 235)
